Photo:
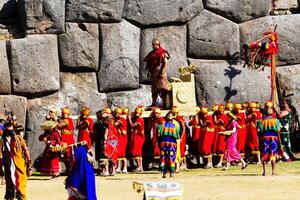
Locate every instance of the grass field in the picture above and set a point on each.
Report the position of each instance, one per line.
(198, 184)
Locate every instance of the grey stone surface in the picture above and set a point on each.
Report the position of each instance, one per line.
(34, 64)
(78, 89)
(289, 80)
(15, 104)
(239, 10)
(212, 36)
(42, 16)
(79, 46)
(287, 29)
(173, 39)
(130, 99)
(92, 11)
(119, 69)
(5, 84)
(219, 81)
(153, 12)
(8, 11)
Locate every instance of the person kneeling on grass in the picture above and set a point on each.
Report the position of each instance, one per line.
(80, 184)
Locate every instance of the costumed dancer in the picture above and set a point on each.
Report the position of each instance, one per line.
(156, 62)
(2, 121)
(169, 133)
(252, 142)
(180, 156)
(268, 129)
(222, 123)
(206, 123)
(16, 161)
(80, 184)
(137, 138)
(51, 137)
(155, 120)
(229, 106)
(66, 127)
(215, 110)
(231, 153)
(98, 138)
(121, 126)
(194, 123)
(85, 126)
(285, 119)
(242, 130)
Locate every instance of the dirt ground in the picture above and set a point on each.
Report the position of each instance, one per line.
(198, 184)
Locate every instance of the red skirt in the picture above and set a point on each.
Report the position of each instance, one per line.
(136, 145)
(220, 145)
(69, 139)
(50, 163)
(155, 145)
(206, 143)
(182, 145)
(241, 139)
(122, 144)
(252, 140)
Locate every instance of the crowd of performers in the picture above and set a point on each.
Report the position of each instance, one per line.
(231, 134)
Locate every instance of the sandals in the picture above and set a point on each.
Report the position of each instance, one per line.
(244, 167)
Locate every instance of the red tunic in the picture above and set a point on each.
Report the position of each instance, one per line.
(154, 137)
(85, 134)
(222, 124)
(50, 160)
(252, 140)
(137, 138)
(195, 135)
(122, 137)
(207, 138)
(181, 122)
(242, 132)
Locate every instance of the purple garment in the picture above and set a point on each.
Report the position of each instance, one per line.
(231, 153)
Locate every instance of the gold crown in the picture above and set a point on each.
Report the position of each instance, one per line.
(197, 109)
(175, 109)
(138, 110)
(221, 107)
(66, 111)
(268, 104)
(118, 110)
(204, 110)
(238, 106)
(125, 111)
(85, 110)
(231, 115)
(157, 110)
(107, 111)
(215, 108)
(229, 105)
(252, 105)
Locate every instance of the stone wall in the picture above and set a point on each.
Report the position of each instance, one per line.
(87, 52)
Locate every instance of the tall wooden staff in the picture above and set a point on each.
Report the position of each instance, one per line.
(263, 53)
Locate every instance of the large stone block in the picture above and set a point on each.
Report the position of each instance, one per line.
(77, 90)
(119, 69)
(220, 81)
(34, 64)
(5, 83)
(239, 10)
(212, 36)
(15, 104)
(79, 47)
(130, 99)
(288, 27)
(153, 12)
(42, 16)
(289, 80)
(173, 39)
(92, 11)
(8, 11)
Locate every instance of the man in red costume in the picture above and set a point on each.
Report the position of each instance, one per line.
(206, 123)
(155, 120)
(137, 138)
(180, 160)
(222, 123)
(252, 139)
(194, 123)
(66, 127)
(156, 62)
(85, 126)
(242, 131)
(121, 126)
